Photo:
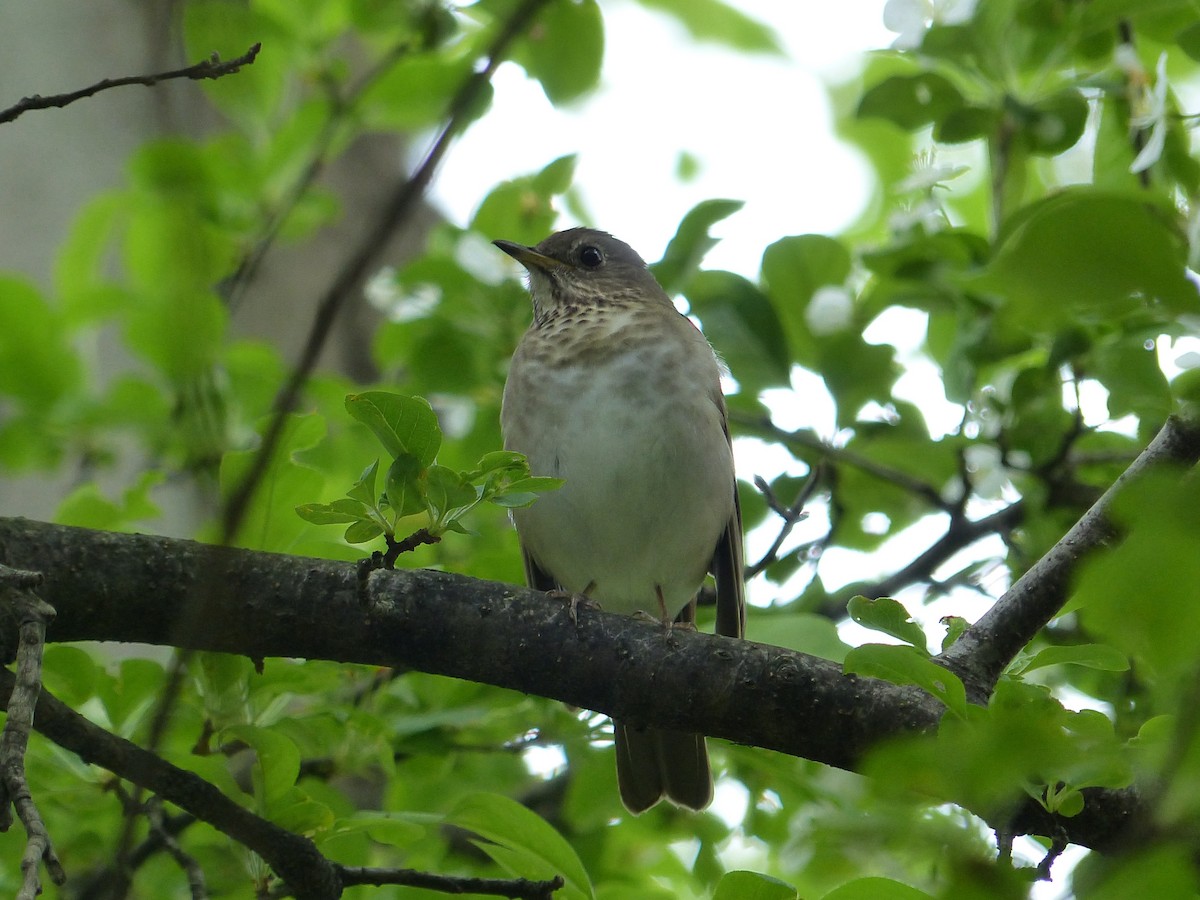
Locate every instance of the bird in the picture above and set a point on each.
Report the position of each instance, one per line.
(615, 391)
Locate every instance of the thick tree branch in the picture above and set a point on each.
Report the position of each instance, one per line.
(209, 68)
(120, 587)
(980, 655)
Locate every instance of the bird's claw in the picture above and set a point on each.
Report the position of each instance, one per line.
(574, 602)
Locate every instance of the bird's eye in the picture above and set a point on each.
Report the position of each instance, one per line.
(590, 256)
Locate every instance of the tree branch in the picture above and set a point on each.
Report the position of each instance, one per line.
(515, 888)
(981, 653)
(31, 615)
(274, 605)
(209, 68)
(293, 857)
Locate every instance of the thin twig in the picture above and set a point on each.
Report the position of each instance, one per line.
(402, 204)
(32, 615)
(791, 515)
(809, 441)
(209, 68)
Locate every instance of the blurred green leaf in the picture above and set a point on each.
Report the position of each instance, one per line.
(876, 889)
(713, 20)
(742, 325)
(1087, 255)
(691, 242)
(37, 365)
(1093, 656)
(911, 101)
(564, 49)
(742, 885)
(520, 210)
(416, 91)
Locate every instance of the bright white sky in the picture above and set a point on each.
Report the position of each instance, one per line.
(759, 126)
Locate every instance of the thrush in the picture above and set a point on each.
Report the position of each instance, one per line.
(617, 393)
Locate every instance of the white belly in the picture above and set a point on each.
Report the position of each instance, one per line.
(649, 478)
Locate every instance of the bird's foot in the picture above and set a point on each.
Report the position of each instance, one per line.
(574, 601)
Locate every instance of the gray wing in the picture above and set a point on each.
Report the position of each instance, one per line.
(728, 565)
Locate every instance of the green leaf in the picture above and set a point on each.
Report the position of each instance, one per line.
(1055, 124)
(792, 270)
(446, 492)
(742, 325)
(955, 626)
(908, 665)
(37, 365)
(364, 489)
(277, 760)
(1090, 255)
(1189, 41)
(876, 889)
(525, 491)
(564, 49)
(269, 523)
(362, 531)
(1156, 561)
(691, 242)
(1092, 656)
(500, 459)
(87, 507)
(522, 209)
(522, 842)
(743, 885)
(404, 486)
(712, 20)
(887, 615)
(415, 92)
(911, 101)
(403, 425)
(70, 673)
(805, 632)
(336, 513)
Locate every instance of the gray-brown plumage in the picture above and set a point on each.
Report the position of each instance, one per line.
(615, 391)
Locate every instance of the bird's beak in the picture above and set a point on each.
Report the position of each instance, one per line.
(528, 257)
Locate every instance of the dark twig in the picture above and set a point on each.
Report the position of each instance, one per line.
(209, 68)
(960, 534)
(791, 515)
(518, 888)
(107, 882)
(809, 441)
(159, 828)
(32, 614)
(401, 205)
(981, 653)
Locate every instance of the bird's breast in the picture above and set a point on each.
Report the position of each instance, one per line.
(637, 430)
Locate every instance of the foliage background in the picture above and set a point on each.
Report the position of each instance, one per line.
(1055, 269)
